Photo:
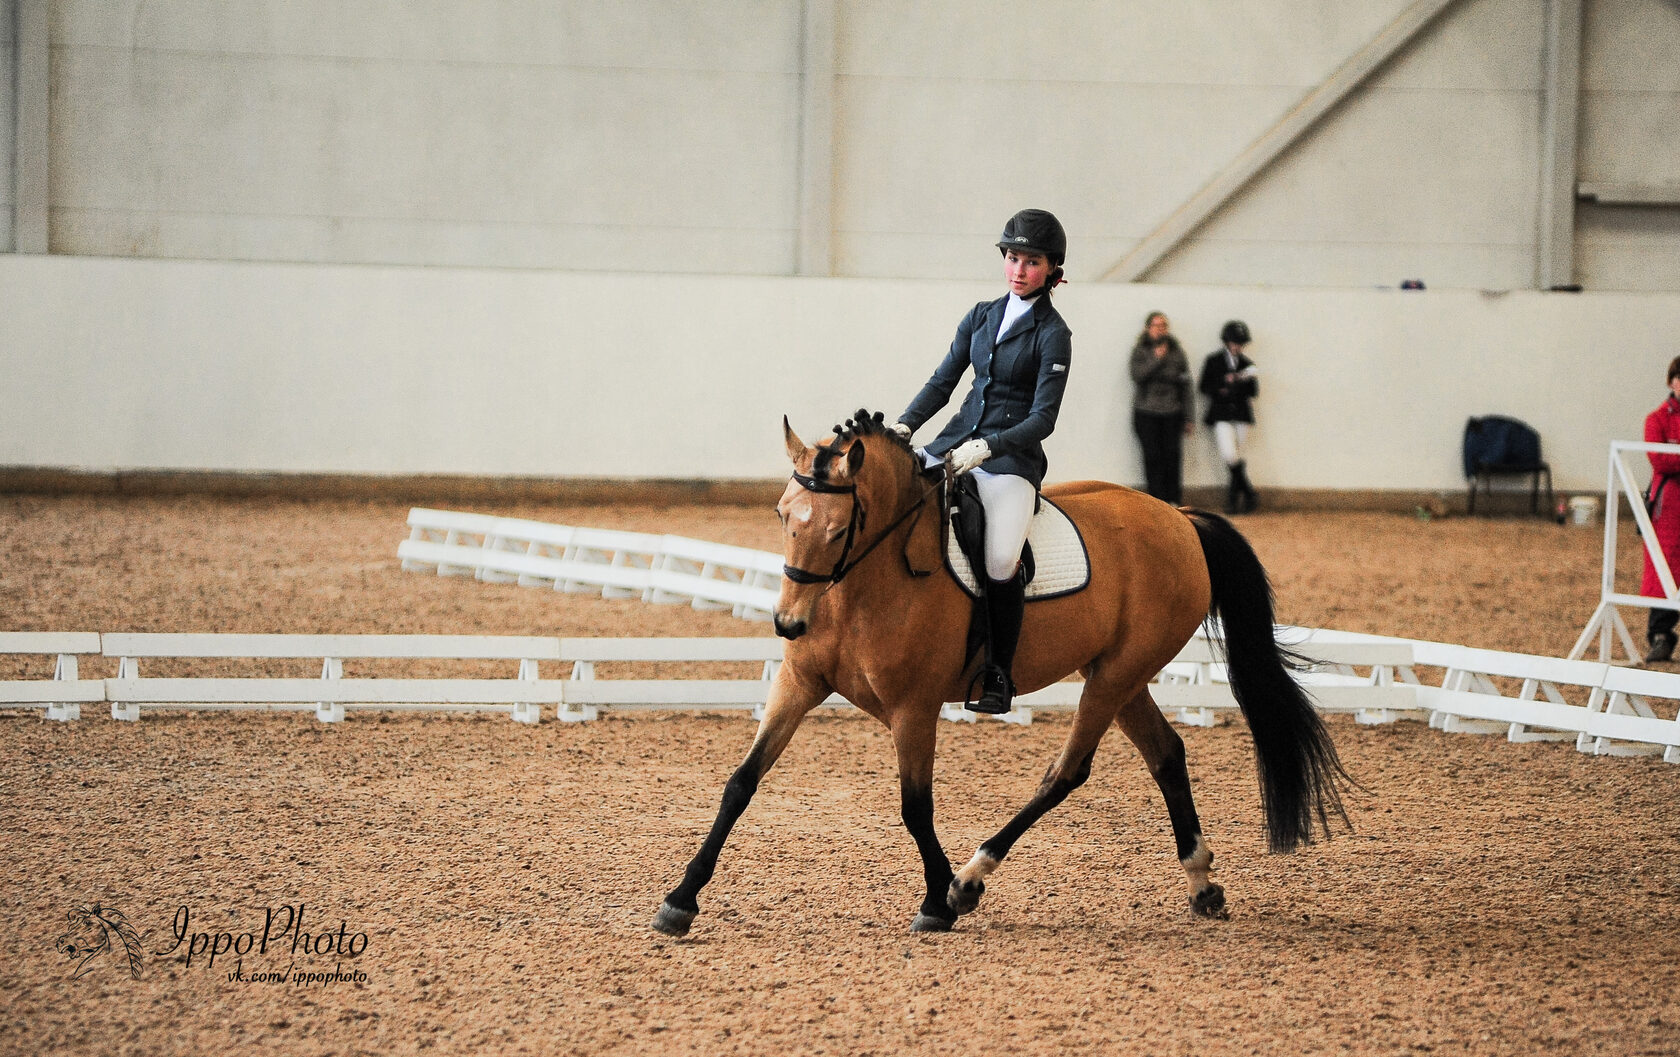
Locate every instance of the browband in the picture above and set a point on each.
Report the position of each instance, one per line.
(812, 484)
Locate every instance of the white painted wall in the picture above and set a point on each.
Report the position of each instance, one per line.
(126, 364)
(663, 135)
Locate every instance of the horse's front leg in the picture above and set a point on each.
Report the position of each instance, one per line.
(913, 738)
(791, 698)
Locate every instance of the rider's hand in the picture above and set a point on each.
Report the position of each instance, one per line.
(969, 455)
(902, 430)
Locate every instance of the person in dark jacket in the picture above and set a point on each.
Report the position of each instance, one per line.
(1020, 351)
(1161, 406)
(1230, 383)
(1662, 426)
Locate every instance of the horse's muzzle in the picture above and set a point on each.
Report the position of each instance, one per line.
(790, 629)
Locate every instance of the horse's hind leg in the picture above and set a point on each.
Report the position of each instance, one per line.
(1069, 772)
(1163, 753)
(789, 701)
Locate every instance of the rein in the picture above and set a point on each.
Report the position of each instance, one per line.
(854, 525)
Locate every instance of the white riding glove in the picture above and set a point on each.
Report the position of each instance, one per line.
(969, 455)
(902, 430)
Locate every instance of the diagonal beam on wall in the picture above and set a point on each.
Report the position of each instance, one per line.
(1274, 141)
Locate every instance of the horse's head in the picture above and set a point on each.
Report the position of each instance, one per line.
(835, 490)
(89, 933)
(84, 936)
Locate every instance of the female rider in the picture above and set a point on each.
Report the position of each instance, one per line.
(1020, 350)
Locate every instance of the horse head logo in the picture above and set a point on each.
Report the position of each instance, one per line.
(90, 933)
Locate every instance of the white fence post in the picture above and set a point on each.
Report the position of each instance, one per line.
(1606, 623)
(330, 711)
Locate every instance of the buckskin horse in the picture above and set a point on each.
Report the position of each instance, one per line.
(862, 527)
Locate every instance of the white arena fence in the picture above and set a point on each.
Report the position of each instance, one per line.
(615, 564)
(1603, 708)
(1622, 485)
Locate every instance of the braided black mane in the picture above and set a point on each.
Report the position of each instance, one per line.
(863, 423)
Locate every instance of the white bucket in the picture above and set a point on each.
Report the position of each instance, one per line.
(1583, 509)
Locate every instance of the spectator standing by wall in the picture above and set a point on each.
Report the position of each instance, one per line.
(1662, 426)
(1161, 407)
(1230, 383)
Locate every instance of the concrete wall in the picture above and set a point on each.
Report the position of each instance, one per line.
(123, 364)
(655, 135)
(665, 135)
(8, 119)
(1630, 134)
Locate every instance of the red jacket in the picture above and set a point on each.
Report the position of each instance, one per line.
(1662, 426)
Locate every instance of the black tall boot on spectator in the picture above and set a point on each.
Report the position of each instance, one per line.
(1006, 601)
(1233, 492)
(1659, 634)
(1248, 500)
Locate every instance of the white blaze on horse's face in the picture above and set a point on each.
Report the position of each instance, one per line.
(815, 526)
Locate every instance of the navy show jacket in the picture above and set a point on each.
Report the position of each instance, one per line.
(1017, 390)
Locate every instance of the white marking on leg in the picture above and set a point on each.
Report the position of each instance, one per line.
(1198, 865)
(979, 868)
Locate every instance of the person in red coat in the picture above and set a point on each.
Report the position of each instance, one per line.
(1662, 426)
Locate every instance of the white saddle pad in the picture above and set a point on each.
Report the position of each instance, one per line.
(1060, 565)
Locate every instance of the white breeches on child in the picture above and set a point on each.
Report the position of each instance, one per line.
(1231, 438)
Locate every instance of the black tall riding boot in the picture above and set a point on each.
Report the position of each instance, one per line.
(1248, 500)
(1005, 602)
(1233, 492)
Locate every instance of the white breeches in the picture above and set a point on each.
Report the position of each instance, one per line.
(1008, 501)
(1231, 438)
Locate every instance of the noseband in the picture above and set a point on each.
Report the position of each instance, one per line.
(854, 526)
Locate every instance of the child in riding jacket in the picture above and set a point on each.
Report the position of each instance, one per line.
(1230, 383)
(1020, 350)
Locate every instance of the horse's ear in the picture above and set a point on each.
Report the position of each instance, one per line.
(854, 457)
(796, 448)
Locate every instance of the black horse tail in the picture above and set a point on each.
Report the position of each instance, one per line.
(1299, 770)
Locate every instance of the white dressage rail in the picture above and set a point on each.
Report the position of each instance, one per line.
(1606, 709)
(65, 693)
(662, 569)
(521, 697)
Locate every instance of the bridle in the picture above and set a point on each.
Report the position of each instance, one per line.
(854, 526)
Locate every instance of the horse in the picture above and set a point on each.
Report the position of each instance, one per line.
(88, 934)
(865, 616)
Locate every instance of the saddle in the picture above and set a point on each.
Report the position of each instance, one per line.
(1054, 557)
(1066, 567)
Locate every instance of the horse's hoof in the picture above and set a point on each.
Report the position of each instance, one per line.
(1210, 903)
(929, 923)
(672, 921)
(964, 896)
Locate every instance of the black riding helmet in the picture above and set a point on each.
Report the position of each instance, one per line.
(1036, 230)
(1235, 333)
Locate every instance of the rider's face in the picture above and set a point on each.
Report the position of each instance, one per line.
(1025, 271)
